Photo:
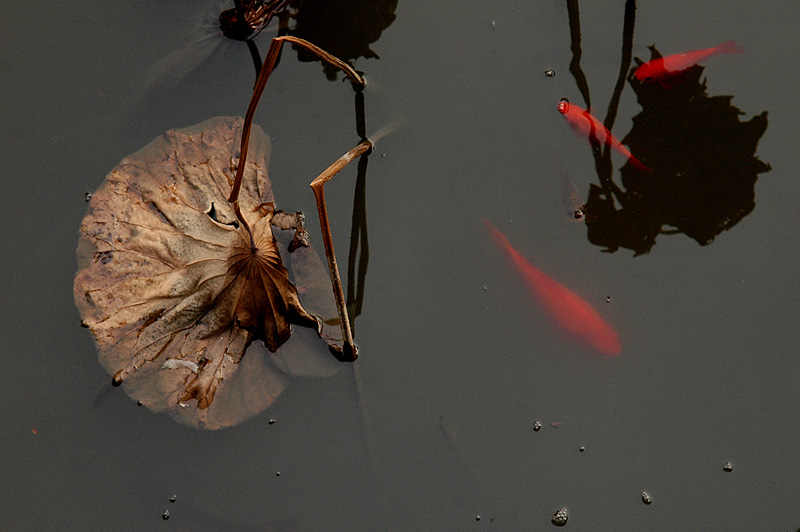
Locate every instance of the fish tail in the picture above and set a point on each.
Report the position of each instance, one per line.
(730, 47)
(639, 165)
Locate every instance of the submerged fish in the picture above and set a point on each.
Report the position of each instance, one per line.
(663, 67)
(583, 124)
(574, 207)
(571, 313)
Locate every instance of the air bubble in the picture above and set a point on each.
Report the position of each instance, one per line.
(728, 467)
(550, 73)
(537, 426)
(165, 515)
(173, 498)
(563, 106)
(646, 498)
(560, 517)
(582, 448)
(87, 196)
(608, 299)
(271, 421)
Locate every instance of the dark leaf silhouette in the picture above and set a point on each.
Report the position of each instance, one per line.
(703, 156)
(176, 292)
(346, 29)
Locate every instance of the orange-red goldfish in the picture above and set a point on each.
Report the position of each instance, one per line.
(571, 313)
(584, 124)
(663, 67)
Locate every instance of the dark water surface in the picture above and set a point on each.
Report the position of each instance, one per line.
(433, 426)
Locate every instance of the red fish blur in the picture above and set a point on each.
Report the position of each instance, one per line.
(664, 67)
(571, 314)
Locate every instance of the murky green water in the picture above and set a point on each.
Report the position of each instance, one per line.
(434, 425)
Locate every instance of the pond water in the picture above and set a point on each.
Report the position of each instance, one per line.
(432, 428)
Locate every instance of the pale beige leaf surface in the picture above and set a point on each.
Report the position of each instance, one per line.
(173, 292)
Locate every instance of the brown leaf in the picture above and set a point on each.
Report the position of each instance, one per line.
(173, 291)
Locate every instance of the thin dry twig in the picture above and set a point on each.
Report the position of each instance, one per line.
(349, 348)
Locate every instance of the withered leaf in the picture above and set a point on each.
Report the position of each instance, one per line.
(175, 294)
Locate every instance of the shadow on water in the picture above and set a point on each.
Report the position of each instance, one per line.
(701, 153)
(346, 29)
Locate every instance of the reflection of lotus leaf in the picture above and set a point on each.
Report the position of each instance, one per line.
(175, 294)
(704, 163)
(345, 28)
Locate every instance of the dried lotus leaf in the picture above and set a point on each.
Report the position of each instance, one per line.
(173, 291)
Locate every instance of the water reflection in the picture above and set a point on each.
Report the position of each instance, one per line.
(701, 153)
(346, 28)
(704, 161)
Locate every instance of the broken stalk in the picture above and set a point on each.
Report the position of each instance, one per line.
(349, 350)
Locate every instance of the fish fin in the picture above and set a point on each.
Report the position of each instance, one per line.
(730, 47)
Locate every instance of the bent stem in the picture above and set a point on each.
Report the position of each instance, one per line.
(349, 350)
(269, 64)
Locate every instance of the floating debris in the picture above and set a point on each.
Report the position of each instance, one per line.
(560, 517)
(556, 424)
(646, 498)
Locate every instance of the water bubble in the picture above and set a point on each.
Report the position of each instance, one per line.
(563, 106)
(646, 498)
(550, 73)
(728, 467)
(165, 515)
(560, 517)
(173, 498)
(87, 196)
(537, 426)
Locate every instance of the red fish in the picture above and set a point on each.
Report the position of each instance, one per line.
(571, 313)
(584, 124)
(663, 67)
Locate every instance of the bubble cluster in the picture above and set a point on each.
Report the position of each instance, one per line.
(560, 517)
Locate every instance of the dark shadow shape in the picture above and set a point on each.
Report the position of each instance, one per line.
(704, 163)
(345, 28)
